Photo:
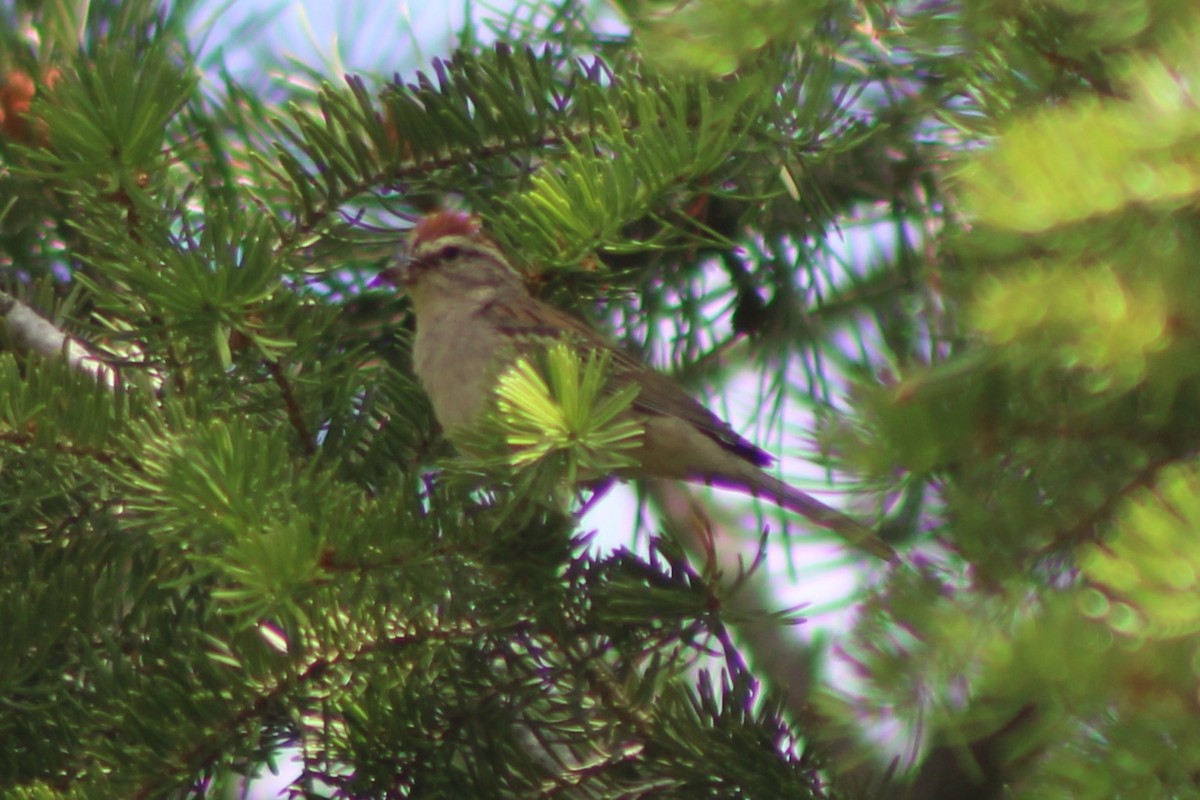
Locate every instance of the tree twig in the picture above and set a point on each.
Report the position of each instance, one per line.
(32, 333)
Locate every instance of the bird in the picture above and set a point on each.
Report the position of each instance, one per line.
(475, 315)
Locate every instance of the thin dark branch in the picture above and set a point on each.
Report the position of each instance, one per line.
(294, 413)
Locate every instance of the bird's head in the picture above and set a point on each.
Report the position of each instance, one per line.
(448, 251)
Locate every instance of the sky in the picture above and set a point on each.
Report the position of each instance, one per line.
(339, 36)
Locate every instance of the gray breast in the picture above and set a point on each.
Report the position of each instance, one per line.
(456, 358)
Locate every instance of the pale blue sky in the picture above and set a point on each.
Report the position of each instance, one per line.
(258, 36)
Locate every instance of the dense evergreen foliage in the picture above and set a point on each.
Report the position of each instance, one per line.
(960, 237)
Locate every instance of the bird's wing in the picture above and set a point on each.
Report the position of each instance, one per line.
(657, 393)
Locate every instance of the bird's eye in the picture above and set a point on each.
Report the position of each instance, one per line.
(451, 251)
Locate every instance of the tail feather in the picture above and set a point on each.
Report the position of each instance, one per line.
(816, 512)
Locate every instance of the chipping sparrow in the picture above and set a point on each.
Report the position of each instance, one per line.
(475, 317)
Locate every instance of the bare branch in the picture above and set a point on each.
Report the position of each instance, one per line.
(30, 332)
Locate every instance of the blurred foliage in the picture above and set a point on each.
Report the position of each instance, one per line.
(716, 36)
(958, 236)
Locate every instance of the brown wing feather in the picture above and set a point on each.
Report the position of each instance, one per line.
(658, 394)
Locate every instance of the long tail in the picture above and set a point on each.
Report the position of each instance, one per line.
(818, 513)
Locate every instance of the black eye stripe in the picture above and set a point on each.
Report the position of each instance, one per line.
(439, 257)
(436, 257)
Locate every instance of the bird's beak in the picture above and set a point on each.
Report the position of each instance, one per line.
(392, 276)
